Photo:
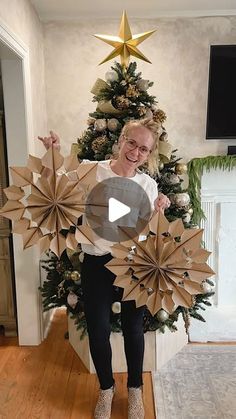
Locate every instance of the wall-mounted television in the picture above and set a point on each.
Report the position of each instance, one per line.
(221, 107)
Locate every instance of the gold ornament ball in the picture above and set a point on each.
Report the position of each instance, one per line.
(181, 168)
(67, 275)
(162, 315)
(190, 211)
(75, 275)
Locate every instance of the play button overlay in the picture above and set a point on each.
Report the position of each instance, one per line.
(117, 205)
(116, 209)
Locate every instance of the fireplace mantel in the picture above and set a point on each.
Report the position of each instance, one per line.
(218, 201)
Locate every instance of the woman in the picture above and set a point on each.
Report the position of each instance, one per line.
(137, 144)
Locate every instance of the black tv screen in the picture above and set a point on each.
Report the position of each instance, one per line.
(221, 107)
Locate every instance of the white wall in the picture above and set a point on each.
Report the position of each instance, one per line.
(22, 60)
(20, 18)
(179, 52)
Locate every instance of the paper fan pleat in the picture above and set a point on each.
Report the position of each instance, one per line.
(167, 268)
(54, 203)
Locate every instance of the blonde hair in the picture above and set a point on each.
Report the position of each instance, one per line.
(156, 130)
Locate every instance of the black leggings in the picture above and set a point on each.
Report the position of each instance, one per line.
(98, 291)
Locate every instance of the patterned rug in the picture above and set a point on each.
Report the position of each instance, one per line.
(198, 383)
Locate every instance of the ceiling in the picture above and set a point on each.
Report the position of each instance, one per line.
(81, 9)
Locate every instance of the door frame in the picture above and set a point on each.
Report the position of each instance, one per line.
(15, 63)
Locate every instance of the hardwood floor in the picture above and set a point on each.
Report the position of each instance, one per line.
(49, 381)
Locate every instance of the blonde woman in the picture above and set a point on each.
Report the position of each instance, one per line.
(137, 144)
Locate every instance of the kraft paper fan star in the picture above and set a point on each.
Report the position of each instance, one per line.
(58, 190)
(164, 271)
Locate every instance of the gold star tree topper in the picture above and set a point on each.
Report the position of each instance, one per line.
(125, 44)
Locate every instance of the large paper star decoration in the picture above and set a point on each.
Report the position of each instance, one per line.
(125, 44)
(47, 196)
(164, 271)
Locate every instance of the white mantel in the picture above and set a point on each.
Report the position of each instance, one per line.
(218, 197)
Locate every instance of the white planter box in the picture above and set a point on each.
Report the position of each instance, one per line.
(159, 348)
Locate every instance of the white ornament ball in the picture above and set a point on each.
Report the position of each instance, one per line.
(182, 199)
(116, 307)
(81, 257)
(162, 315)
(187, 217)
(154, 107)
(171, 197)
(148, 114)
(113, 124)
(206, 288)
(72, 299)
(161, 165)
(173, 179)
(142, 85)
(100, 125)
(163, 136)
(111, 76)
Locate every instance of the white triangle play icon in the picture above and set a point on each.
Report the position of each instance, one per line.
(116, 209)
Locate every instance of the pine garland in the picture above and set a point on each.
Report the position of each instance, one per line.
(195, 171)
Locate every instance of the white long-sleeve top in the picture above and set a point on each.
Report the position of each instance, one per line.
(148, 184)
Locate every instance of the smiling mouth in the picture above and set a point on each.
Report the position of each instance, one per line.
(131, 160)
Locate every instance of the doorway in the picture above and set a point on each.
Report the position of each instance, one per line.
(15, 66)
(7, 295)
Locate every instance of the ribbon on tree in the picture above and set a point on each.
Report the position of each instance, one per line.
(104, 105)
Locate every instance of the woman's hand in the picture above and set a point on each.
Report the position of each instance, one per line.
(52, 141)
(162, 202)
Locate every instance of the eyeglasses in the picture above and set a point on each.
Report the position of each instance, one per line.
(132, 145)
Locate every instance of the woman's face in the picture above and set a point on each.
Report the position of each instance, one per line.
(135, 147)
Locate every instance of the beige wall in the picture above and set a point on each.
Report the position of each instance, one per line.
(179, 52)
(20, 17)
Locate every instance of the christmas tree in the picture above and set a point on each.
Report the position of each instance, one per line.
(121, 97)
